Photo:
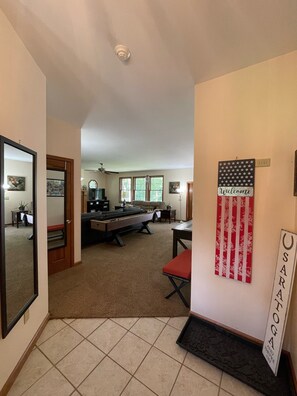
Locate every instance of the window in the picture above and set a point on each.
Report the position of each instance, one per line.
(125, 189)
(156, 188)
(140, 189)
(148, 188)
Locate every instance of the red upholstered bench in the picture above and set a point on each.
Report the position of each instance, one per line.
(56, 227)
(179, 268)
(53, 234)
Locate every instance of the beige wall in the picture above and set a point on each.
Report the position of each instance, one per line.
(63, 140)
(23, 118)
(181, 175)
(250, 113)
(92, 175)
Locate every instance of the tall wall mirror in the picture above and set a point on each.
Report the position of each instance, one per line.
(18, 232)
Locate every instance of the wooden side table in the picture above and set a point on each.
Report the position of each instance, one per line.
(16, 217)
(180, 232)
(168, 214)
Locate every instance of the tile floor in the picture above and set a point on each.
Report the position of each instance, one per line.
(123, 356)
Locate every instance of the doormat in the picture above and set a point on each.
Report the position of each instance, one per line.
(236, 356)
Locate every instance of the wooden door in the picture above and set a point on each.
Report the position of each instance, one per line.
(189, 205)
(62, 257)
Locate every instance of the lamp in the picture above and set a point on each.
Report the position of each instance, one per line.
(180, 190)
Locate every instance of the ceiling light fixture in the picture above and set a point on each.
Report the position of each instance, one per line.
(122, 52)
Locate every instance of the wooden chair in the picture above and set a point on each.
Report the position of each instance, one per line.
(179, 269)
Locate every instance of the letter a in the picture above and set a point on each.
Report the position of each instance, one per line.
(280, 294)
(271, 343)
(283, 270)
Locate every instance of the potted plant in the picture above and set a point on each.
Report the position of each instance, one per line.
(22, 206)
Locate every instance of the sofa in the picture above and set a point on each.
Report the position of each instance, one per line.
(89, 235)
(150, 206)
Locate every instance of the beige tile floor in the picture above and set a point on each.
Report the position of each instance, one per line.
(126, 356)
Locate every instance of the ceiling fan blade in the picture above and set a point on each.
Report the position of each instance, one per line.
(101, 170)
(110, 172)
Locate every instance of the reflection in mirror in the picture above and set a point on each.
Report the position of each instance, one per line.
(56, 194)
(18, 233)
(93, 184)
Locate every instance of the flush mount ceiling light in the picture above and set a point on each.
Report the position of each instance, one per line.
(122, 52)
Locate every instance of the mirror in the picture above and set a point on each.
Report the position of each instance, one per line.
(56, 218)
(18, 265)
(93, 184)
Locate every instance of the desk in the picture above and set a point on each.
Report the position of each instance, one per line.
(16, 216)
(169, 214)
(181, 231)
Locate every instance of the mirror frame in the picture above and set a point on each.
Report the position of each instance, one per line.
(64, 206)
(7, 327)
(92, 181)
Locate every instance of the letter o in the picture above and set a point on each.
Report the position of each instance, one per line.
(288, 247)
(275, 315)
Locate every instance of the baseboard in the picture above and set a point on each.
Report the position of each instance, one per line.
(77, 263)
(237, 332)
(8, 384)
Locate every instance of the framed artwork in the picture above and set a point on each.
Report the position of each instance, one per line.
(55, 188)
(174, 187)
(16, 183)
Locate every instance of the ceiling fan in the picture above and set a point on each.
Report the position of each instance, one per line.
(102, 170)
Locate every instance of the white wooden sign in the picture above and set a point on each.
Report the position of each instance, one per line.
(280, 301)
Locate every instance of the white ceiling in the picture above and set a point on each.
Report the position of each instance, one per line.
(140, 115)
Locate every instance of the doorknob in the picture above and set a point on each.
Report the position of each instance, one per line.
(68, 221)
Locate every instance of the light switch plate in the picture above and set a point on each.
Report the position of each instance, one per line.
(262, 162)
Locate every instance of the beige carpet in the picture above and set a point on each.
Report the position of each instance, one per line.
(115, 281)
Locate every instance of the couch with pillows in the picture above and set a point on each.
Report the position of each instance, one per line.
(149, 205)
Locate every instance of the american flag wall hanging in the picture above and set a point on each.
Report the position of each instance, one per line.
(235, 212)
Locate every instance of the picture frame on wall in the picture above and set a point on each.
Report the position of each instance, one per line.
(174, 187)
(55, 188)
(16, 183)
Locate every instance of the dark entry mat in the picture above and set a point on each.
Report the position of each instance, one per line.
(236, 356)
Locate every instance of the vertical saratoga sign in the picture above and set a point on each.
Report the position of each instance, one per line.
(280, 301)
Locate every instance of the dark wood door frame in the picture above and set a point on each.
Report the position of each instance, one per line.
(62, 258)
(189, 201)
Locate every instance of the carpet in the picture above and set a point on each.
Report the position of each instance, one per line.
(115, 281)
(236, 356)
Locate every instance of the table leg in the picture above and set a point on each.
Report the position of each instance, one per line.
(17, 219)
(174, 247)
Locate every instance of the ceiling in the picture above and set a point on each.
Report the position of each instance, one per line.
(139, 115)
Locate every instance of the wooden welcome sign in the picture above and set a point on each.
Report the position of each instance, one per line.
(280, 301)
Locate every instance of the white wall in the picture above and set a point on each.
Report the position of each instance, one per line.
(92, 175)
(68, 147)
(23, 119)
(181, 175)
(250, 113)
